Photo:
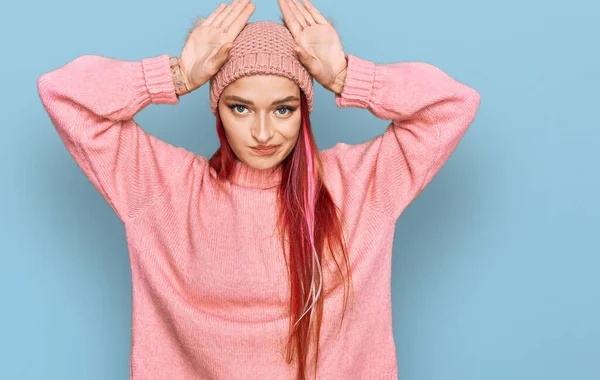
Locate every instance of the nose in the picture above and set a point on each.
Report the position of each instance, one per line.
(262, 129)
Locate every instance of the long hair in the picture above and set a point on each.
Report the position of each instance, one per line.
(310, 228)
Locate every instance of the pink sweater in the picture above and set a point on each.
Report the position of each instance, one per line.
(210, 289)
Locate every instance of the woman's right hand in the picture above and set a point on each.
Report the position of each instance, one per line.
(208, 46)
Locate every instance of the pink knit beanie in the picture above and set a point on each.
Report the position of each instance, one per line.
(263, 47)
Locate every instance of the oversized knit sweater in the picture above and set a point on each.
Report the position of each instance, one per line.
(210, 286)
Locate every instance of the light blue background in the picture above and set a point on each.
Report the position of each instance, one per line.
(495, 269)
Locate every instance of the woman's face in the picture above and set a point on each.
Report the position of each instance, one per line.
(261, 117)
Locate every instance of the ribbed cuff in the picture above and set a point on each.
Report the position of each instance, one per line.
(358, 87)
(159, 82)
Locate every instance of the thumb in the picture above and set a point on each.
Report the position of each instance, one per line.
(303, 55)
(215, 62)
(223, 53)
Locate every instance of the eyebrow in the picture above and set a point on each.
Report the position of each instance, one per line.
(250, 102)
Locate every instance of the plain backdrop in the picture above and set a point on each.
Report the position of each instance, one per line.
(495, 266)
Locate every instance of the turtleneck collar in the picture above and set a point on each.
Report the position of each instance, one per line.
(246, 176)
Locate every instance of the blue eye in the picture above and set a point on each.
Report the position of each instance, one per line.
(238, 108)
(282, 111)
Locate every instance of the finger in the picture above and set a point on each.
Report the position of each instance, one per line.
(219, 19)
(241, 20)
(288, 17)
(209, 20)
(296, 12)
(235, 12)
(307, 16)
(317, 16)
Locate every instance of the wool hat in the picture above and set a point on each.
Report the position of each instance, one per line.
(263, 47)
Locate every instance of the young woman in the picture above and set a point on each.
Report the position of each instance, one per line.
(269, 260)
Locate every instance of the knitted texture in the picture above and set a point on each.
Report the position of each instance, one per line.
(263, 47)
(209, 275)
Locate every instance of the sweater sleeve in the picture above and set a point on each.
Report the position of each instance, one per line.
(429, 113)
(92, 101)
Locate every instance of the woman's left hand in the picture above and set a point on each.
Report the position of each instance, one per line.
(318, 45)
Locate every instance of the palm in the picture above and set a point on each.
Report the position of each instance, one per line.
(201, 51)
(208, 45)
(318, 45)
(323, 45)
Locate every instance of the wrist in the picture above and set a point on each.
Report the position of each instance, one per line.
(180, 81)
(340, 80)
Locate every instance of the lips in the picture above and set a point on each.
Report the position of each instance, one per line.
(265, 150)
